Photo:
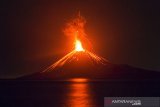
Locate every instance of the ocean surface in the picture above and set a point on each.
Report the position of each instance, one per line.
(75, 92)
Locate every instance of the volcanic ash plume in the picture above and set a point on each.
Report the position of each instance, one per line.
(75, 29)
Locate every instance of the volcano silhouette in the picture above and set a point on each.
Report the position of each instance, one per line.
(84, 67)
(83, 63)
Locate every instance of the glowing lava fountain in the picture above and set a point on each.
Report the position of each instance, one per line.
(75, 29)
(78, 46)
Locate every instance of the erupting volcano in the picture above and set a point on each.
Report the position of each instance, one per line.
(75, 29)
(81, 62)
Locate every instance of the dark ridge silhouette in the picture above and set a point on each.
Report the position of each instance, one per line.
(86, 68)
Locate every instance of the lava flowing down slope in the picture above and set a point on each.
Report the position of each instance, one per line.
(75, 29)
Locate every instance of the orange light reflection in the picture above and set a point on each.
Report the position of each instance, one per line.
(79, 94)
(78, 80)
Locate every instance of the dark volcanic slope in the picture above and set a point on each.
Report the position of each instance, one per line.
(86, 68)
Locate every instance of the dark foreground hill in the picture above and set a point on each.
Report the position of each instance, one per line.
(88, 69)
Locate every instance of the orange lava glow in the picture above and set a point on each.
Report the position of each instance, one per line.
(78, 46)
(75, 29)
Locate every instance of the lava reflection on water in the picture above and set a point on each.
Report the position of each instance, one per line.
(79, 93)
(78, 80)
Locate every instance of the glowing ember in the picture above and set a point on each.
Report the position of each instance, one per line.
(78, 46)
(75, 29)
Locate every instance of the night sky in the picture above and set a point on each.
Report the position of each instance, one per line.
(122, 31)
